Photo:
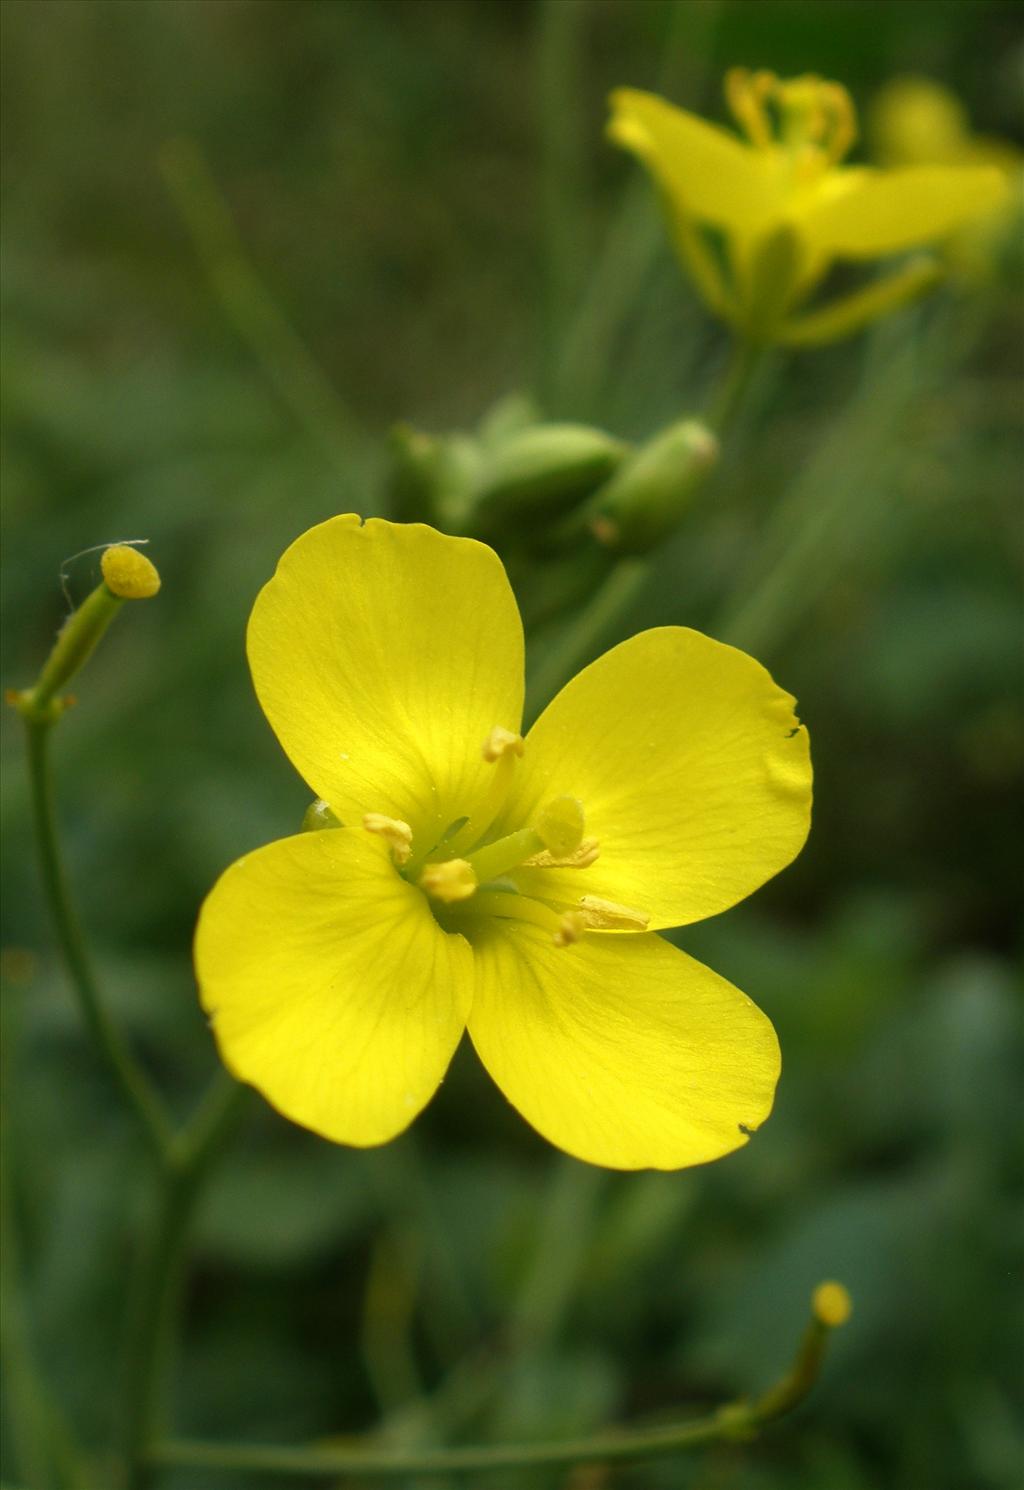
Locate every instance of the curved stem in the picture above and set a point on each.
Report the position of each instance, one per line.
(127, 1073)
(737, 1420)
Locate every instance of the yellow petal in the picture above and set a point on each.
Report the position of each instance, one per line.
(383, 656)
(881, 212)
(330, 986)
(707, 172)
(621, 1050)
(693, 773)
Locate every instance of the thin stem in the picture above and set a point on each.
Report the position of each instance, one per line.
(40, 1437)
(562, 157)
(582, 637)
(127, 1073)
(744, 360)
(737, 1420)
(151, 1320)
(249, 306)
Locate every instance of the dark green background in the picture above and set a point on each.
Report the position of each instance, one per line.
(424, 194)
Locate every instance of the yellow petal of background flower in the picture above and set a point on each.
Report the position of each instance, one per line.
(693, 774)
(705, 170)
(329, 984)
(383, 656)
(621, 1050)
(887, 212)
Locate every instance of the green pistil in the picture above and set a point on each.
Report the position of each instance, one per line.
(496, 859)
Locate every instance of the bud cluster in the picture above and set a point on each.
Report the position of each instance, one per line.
(540, 486)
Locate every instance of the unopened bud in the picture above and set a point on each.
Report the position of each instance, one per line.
(645, 499)
(543, 471)
(433, 477)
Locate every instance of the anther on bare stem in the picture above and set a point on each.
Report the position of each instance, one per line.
(128, 574)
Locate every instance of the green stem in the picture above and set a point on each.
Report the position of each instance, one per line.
(562, 157)
(737, 1420)
(151, 1320)
(127, 1073)
(43, 1448)
(744, 360)
(582, 637)
(248, 304)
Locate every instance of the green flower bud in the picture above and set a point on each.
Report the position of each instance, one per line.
(542, 471)
(646, 497)
(433, 477)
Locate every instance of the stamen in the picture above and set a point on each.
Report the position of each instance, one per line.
(450, 882)
(843, 120)
(570, 930)
(746, 94)
(397, 833)
(608, 915)
(566, 928)
(501, 742)
(580, 858)
(502, 749)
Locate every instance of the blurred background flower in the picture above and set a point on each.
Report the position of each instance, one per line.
(242, 240)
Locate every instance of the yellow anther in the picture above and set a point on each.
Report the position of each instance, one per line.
(580, 858)
(831, 1304)
(570, 929)
(843, 117)
(397, 833)
(746, 94)
(608, 915)
(129, 574)
(501, 742)
(560, 826)
(451, 881)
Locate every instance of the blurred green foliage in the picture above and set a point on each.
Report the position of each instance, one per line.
(426, 219)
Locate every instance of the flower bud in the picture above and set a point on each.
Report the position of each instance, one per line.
(433, 477)
(646, 497)
(542, 471)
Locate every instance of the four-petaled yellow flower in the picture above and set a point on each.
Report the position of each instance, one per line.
(758, 223)
(485, 881)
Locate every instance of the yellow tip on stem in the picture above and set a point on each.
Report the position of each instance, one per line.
(128, 574)
(831, 1304)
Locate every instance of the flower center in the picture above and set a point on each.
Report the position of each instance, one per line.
(812, 119)
(466, 872)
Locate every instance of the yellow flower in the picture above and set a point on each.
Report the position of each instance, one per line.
(484, 881)
(758, 223)
(914, 121)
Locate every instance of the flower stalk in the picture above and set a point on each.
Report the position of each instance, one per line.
(736, 1420)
